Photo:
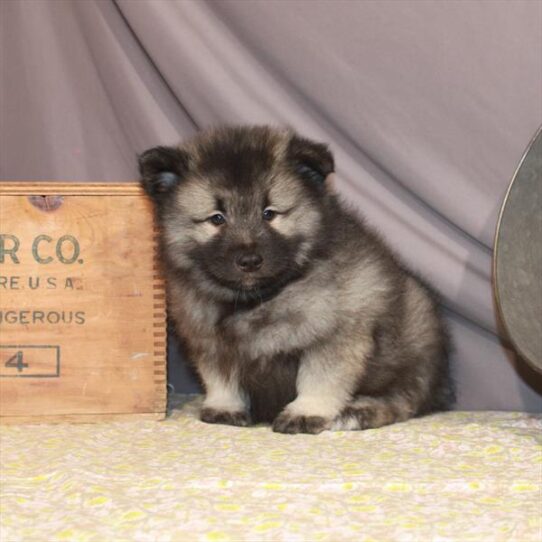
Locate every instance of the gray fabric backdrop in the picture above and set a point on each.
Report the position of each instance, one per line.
(427, 105)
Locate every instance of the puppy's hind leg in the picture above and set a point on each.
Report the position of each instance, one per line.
(365, 412)
(420, 391)
(408, 397)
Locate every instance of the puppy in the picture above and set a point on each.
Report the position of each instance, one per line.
(293, 311)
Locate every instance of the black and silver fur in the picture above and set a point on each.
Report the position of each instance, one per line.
(293, 311)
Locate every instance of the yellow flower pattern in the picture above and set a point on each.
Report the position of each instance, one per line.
(457, 476)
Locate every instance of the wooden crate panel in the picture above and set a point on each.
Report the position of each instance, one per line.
(82, 306)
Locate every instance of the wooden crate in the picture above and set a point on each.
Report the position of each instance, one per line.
(82, 304)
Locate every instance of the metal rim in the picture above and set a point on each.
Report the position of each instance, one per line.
(498, 302)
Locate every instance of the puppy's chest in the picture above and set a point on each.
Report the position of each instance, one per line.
(269, 378)
(257, 334)
(244, 327)
(215, 328)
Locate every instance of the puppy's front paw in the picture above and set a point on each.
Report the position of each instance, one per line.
(212, 415)
(292, 424)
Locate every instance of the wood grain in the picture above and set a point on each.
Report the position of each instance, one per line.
(82, 291)
(62, 188)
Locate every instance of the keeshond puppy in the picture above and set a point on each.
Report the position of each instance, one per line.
(292, 309)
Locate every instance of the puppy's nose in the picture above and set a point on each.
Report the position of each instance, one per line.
(249, 262)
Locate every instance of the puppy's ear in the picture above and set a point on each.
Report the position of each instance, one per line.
(311, 161)
(161, 169)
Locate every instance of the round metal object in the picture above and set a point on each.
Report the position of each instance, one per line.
(517, 258)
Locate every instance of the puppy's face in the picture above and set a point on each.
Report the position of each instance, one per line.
(240, 207)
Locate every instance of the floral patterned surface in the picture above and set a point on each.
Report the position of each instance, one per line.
(464, 476)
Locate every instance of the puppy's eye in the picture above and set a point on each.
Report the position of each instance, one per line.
(269, 214)
(217, 219)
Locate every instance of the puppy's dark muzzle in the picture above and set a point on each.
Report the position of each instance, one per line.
(249, 263)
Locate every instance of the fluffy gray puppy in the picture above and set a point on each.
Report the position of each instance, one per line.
(293, 311)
